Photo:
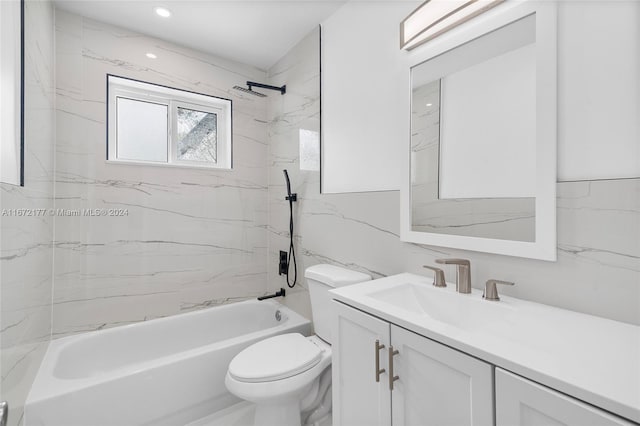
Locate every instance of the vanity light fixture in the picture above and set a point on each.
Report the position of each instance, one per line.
(434, 17)
(151, 55)
(162, 12)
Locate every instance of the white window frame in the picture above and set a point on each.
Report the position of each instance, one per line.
(119, 87)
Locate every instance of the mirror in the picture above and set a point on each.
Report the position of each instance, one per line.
(482, 149)
(11, 92)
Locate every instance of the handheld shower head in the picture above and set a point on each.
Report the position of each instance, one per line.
(292, 253)
(290, 197)
(286, 178)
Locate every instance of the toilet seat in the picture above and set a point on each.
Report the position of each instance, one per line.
(275, 358)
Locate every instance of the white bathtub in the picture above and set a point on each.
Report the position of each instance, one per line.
(164, 372)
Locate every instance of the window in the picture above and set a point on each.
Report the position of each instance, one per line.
(153, 124)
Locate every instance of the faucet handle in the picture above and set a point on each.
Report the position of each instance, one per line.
(438, 276)
(460, 262)
(491, 291)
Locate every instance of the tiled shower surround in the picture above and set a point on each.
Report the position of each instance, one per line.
(26, 258)
(190, 238)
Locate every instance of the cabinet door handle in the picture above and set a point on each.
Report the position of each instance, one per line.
(392, 378)
(378, 369)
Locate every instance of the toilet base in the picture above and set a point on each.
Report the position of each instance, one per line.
(282, 414)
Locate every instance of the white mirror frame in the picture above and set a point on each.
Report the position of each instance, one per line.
(544, 246)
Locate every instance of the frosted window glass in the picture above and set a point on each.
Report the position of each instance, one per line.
(141, 130)
(197, 136)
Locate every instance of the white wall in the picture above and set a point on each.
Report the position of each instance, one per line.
(363, 85)
(598, 89)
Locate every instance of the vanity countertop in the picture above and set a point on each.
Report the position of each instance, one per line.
(593, 359)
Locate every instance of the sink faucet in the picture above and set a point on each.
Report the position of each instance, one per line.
(463, 273)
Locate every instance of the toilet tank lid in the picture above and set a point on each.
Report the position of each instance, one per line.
(335, 276)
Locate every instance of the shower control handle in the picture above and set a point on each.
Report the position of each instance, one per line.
(392, 378)
(379, 370)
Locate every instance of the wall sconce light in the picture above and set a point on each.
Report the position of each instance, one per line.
(434, 17)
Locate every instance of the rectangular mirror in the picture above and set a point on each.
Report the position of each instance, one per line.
(11, 92)
(482, 150)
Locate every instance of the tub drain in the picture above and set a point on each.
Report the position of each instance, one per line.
(278, 315)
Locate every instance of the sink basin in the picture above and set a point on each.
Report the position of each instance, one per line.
(442, 304)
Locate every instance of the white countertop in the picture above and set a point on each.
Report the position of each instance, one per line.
(590, 358)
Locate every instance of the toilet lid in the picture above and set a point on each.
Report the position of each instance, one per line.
(275, 358)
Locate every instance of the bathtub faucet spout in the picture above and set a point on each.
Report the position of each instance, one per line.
(279, 293)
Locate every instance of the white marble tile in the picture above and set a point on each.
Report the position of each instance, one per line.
(26, 252)
(190, 238)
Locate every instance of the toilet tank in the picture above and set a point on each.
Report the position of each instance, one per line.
(321, 279)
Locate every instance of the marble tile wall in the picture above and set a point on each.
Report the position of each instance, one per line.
(26, 253)
(598, 267)
(191, 238)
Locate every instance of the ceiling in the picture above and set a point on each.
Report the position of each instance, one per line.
(257, 32)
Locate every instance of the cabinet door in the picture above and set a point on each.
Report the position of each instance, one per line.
(358, 400)
(438, 385)
(525, 403)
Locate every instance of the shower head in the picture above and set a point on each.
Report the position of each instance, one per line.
(242, 89)
(252, 84)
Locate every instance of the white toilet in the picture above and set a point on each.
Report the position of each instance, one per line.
(288, 377)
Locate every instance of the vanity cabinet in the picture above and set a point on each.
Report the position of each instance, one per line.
(464, 361)
(435, 385)
(357, 398)
(522, 402)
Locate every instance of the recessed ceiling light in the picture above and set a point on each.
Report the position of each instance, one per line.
(151, 55)
(429, 105)
(163, 12)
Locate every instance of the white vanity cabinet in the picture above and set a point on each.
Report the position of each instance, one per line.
(465, 361)
(358, 400)
(522, 402)
(436, 385)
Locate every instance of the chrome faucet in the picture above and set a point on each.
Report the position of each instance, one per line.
(463, 273)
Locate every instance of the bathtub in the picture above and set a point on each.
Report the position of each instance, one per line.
(164, 372)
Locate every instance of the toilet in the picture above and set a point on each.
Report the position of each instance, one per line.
(288, 377)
